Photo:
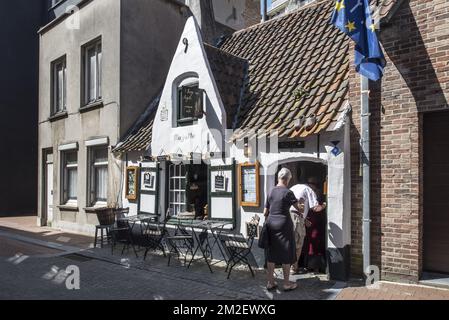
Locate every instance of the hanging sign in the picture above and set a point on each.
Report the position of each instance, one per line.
(292, 144)
(220, 182)
(191, 103)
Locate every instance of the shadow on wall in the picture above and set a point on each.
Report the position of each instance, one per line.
(338, 258)
(405, 47)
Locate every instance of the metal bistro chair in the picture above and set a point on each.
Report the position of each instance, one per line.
(204, 247)
(240, 248)
(182, 240)
(153, 236)
(121, 232)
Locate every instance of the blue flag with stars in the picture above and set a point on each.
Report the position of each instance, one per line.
(353, 17)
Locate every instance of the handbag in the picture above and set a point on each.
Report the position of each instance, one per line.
(264, 240)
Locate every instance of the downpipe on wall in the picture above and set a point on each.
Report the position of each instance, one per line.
(365, 160)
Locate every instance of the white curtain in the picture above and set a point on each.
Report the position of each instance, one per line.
(72, 183)
(101, 180)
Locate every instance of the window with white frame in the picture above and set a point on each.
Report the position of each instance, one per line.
(92, 56)
(59, 85)
(69, 177)
(98, 175)
(177, 189)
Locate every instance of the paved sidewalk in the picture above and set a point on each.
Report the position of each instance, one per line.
(393, 291)
(106, 276)
(26, 226)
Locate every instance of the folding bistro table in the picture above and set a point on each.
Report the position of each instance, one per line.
(200, 232)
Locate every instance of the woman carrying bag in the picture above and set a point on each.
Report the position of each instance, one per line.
(278, 236)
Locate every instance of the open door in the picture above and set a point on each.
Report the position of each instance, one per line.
(222, 191)
(149, 188)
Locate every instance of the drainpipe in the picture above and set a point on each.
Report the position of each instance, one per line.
(365, 145)
(264, 11)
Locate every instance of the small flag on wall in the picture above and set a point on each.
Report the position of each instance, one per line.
(353, 17)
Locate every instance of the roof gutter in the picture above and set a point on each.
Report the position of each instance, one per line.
(264, 11)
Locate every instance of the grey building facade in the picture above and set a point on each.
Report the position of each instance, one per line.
(100, 63)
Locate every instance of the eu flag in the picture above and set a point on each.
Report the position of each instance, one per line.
(353, 17)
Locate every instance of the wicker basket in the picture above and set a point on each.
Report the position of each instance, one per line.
(106, 216)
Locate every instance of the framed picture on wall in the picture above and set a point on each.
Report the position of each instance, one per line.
(221, 182)
(249, 185)
(148, 180)
(131, 183)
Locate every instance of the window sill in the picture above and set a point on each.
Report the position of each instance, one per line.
(92, 106)
(94, 209)
(68, 208)
(58, 116)
(186, 122)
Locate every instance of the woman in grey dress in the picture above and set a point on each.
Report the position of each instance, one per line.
(281, 249)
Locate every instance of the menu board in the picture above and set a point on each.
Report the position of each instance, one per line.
(249, 185)
(191, 103)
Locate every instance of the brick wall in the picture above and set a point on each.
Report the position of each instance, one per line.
(416, 45)
(252, 12)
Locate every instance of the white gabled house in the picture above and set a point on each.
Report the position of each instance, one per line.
(228, 118)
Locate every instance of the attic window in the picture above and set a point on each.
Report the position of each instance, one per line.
(190, 104)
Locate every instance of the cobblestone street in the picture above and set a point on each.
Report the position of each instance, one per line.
(32, 271)
(43, 277)
(33, 262)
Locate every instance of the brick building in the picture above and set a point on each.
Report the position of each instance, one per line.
(409, 147)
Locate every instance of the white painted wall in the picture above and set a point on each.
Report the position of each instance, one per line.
(194, 62)
(167, 137)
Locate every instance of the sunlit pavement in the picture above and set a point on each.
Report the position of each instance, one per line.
(33, 264)
(34, 261)
(393, 291)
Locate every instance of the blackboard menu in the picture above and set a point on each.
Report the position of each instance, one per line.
(191, 103)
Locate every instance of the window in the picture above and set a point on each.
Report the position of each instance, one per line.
(92, 57)
(190, 104)
(98, 175)
(59, 85)
(69, 177)
(177, 189)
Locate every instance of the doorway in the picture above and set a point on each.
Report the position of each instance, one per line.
(187, 188)
(47, 178)
(436, 191)
(313, 255)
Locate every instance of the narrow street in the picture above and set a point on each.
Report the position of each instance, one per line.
(33, 263)
(32, 268)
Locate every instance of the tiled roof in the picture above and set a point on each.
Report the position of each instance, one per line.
(229, 73)
(386, 8)
(298, 68)
(139, 136)
(275, 73)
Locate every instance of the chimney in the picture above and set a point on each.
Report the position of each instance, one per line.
(264, 10)
(203, 10)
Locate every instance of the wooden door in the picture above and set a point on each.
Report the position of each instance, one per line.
(436, 192)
